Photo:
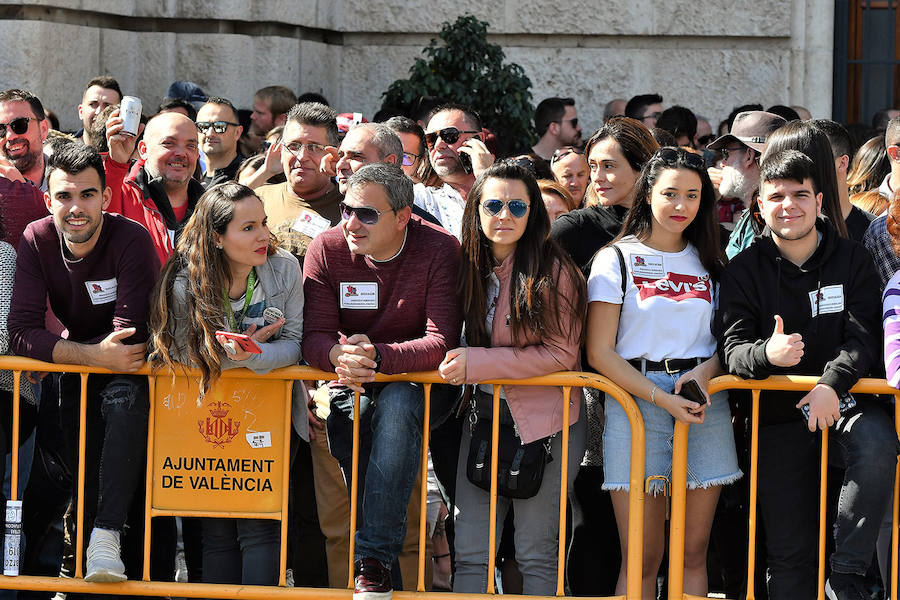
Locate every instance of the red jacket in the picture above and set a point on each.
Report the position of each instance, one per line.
(132, 197)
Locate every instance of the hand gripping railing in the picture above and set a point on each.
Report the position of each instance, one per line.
(566, 380)
(679, 479)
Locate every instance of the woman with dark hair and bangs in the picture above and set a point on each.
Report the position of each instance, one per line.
(523, 301)
(652, 295)
(228, 275)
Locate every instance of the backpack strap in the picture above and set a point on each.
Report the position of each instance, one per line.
(621, 268)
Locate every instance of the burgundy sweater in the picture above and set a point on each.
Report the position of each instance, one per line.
(107, 290)
(418, 316)
(20, 203)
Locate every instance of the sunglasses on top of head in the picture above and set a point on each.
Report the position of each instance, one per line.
(494, 206)
(364, 214)
(217, 126)
(448, 134)
(17, 126)
(671, 156)
(560, 153)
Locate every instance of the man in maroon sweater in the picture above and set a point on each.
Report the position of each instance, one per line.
(380, 293)
(97, 270)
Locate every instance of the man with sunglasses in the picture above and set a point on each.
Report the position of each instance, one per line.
(646, 108)
(23, 128)
(741, 149)
(458, 155)
(381, 297)
(219, 129)
(556, 122)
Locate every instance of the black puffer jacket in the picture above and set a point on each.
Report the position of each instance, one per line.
(841, 344)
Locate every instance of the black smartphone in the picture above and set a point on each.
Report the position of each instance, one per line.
(464, 159)
(690, 389)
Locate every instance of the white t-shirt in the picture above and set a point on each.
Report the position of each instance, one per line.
(669, 301)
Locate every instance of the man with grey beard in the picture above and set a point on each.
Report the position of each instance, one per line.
(741, 149)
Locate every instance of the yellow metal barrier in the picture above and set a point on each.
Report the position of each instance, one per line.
(679, 479)
(566, 380)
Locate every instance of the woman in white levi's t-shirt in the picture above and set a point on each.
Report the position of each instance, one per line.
(650, 335)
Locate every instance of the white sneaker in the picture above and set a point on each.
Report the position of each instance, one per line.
(104, 557)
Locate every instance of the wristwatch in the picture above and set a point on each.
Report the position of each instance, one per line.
(377, 359)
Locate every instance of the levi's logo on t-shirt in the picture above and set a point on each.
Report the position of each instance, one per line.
(675, 287)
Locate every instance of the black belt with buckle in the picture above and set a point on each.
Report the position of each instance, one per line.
(669, 365)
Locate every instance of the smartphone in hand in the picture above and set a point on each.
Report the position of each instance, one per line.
(465, 160)
(245, 342)
(690, 389)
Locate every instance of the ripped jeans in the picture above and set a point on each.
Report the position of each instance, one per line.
(116, 444)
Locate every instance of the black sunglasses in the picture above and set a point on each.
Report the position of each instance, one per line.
(672, 156)
(364, 214)
(565, 151)
(18, 126)
(448, 134)
(726, 151)
(573, 121)
(217, 126)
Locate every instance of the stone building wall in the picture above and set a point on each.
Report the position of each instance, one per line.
(707, 55)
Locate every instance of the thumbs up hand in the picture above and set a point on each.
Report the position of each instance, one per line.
(784, 350)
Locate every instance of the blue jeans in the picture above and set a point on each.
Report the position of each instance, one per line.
(242, 551)
(864, 443)
(390, 445)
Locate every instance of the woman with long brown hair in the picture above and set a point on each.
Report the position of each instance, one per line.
(228, 275)
(523, 301)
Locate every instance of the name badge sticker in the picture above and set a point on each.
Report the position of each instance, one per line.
(360, 295)
(102, 292)
(311, 224)
(648, 265)
(829, 299)
(261, 439)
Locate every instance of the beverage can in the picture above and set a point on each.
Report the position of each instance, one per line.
(130, 111)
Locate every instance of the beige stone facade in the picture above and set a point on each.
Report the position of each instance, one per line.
(704, 54)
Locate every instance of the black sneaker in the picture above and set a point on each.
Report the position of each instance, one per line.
(846, 586)
(373, 581)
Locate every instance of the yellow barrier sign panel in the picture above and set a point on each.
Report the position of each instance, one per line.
(220, 453)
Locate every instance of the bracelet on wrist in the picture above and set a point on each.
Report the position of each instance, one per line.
(653, 395)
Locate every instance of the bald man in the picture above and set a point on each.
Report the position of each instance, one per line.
(158, 191)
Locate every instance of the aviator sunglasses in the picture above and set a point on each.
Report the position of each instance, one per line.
(217, 126)
(364, 214)
(448, 134)
(18, 126)
(494, 206)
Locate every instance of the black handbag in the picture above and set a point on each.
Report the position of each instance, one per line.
(520, 467)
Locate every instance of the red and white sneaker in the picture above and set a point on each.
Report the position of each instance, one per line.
(373, 581)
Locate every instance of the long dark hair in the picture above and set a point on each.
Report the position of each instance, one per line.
(703, 231)
(812, 141)
(208, 275)
(535, 301)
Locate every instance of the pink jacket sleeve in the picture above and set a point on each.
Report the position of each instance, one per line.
(558, 352)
